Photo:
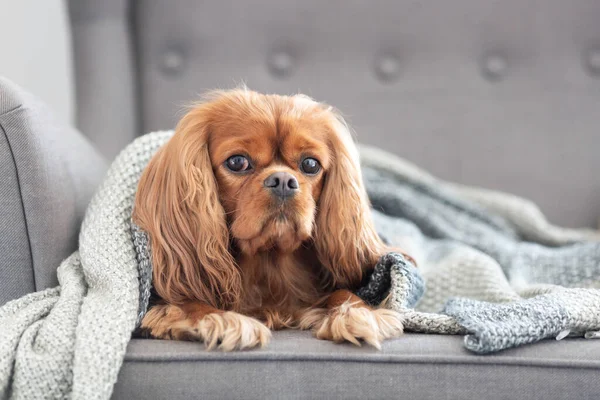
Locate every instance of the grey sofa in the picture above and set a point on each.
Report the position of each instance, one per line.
(499, 94)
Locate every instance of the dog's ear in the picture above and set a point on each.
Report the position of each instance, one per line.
(345, 237)
(177, 204)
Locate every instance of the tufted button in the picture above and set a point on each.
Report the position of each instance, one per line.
(281, 63)
(592, 61)
(387, 68)
(173, 61)
(494, 67)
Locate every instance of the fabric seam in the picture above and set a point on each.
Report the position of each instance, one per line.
(514, 363)
(11, 110)
(18, 176)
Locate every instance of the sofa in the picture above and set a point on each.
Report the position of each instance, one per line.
(503, 95)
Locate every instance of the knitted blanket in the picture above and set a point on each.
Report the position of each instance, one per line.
(70, 341)
(495, 270)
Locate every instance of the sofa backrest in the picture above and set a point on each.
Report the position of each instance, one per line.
(501, 94)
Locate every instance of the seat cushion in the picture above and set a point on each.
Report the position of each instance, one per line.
(298, 366)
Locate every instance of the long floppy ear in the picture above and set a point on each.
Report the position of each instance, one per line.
(177, 204)
(345, 237)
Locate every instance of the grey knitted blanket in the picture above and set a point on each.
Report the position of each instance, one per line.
(69, 341)
(493, 268)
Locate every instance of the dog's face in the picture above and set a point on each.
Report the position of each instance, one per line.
(264, 172)
(270, 165)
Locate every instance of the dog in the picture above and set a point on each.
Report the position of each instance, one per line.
(259, 220)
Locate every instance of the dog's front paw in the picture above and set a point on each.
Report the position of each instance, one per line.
(352, 324)
(232, 331)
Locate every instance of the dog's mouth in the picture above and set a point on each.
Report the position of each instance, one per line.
(274, 223)
(280, 230)
(281, 216)
(281, 211)
(280, 223)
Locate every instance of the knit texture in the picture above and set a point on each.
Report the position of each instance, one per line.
(490, 261)
(494, 267)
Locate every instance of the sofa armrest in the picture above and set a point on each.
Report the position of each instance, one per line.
(48, 173)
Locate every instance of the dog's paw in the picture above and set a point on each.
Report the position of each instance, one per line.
(229, 331)
(352, 324)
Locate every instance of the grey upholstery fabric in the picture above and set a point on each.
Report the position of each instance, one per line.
(499, 94)
(297, 366)
(14, 243)
(49, 173)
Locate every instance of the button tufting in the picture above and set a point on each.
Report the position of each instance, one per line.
(494, 67)
(173, 61)
(592, 61)
(281, 63)
(387, 68)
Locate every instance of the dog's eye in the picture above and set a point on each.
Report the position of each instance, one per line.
(238, 164)
(310, 166)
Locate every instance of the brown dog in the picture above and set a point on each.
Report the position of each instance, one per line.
(259, 220)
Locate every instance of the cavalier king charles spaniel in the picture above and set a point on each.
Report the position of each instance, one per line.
(259, 220)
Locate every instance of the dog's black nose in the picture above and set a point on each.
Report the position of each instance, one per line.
(282, 184)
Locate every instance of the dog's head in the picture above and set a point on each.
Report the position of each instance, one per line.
(258, 173)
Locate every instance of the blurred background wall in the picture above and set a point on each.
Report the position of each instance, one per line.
(36, 51)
